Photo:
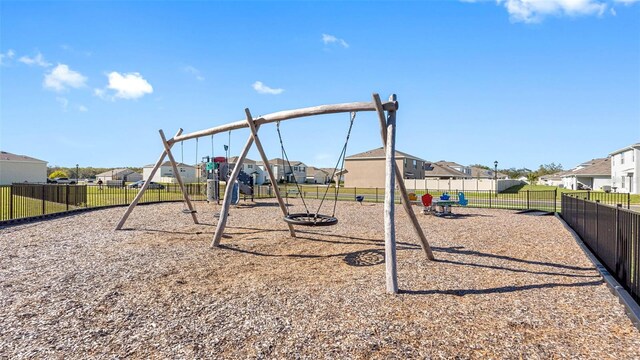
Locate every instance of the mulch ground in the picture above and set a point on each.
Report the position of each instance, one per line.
(504, 285)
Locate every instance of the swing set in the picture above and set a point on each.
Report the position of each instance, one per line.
(387, 118)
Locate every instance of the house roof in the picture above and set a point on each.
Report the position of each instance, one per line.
(633, 146)
(590, 162)
(477, 172)
(234, 159)
(438, 170)
(168, 163)
(7, 156)
(556, 176)
(448, 163)
(276, 161)
(600, 167)
(313, 171)
(119, 172)
(379, 153)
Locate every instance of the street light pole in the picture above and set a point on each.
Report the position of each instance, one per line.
(495, 176)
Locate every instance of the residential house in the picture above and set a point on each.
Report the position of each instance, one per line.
(127, 175)
(165, 173)
(21, 168)
(552, 179)
(297, 172)
(625, 169)
(439, 170)
(482, 173)
(251, 168)
(317, 176)
(455, 166)
(591, 175)
(367, 169)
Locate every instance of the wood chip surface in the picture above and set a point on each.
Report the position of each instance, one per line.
(504, 286)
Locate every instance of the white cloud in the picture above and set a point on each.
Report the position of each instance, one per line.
(126, 86)
(61, 77)
(533, 11)
(64, 102)
(627, 2)
(37, 60)
(264, 89)
(193, 71)
(330, 39)
(9, 55)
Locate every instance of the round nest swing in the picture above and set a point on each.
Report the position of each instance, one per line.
(306, 219)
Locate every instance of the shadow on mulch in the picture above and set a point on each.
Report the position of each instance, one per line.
(498, 290)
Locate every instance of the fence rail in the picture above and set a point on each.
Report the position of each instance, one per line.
(613, 235)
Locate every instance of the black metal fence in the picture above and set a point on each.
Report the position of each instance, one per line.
(613, 235)
(30, 200)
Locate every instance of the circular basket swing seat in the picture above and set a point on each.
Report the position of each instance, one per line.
(305, 219)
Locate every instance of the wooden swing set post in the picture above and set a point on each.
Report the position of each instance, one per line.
(144, 187)
(167, 149)
(267, 166)
(400, 181)
(391, 271)
(226, 201)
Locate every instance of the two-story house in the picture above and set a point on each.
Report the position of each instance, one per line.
(251, 168)
(297, 172)
(367, 169)
(625, 167)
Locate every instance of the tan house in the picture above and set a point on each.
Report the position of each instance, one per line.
(127, 175)
(367, 169)
(21, 168)
(317, 176)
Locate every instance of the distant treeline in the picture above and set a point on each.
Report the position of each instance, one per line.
(84, 172)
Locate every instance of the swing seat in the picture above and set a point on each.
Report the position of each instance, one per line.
(187, 211)
(305, 219)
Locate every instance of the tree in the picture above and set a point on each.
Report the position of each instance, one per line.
(547, 169)
(532, 177)
(480, 166)
(58, 174)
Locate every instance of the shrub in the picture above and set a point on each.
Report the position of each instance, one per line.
(58, 174)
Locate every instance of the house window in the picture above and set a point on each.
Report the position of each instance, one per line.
(404, 162)
(295, 168)
(623, 182)
(415, 164)
(621, 158)
(249, 166)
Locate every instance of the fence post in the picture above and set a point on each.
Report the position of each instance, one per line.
(355, 192)
(66, 199)
(490, 196)
(555, 200)
(376, 195)
(10, 202)
(617, 232)
(588, 195)
(629, 200)
(43, 202)
(527, 199)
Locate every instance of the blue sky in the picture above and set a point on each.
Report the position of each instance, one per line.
(522, 82)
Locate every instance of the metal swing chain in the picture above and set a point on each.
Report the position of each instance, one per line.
(286, 157)
(341, 157)
(199, 169)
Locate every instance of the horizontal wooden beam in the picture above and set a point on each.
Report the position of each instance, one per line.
(286, 115)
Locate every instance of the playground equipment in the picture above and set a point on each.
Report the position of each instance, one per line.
(392, 173)
(317, 219)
